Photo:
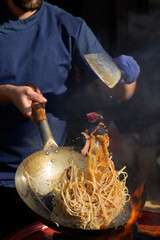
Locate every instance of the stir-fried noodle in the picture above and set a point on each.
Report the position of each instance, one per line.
(90, 197)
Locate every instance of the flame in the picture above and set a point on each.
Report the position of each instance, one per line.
(136, 206)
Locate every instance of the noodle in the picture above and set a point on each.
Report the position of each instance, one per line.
(90, 197)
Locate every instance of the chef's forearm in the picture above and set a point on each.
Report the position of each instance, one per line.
(121, 91)
(6, 93)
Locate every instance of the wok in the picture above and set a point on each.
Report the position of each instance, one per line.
(35, 174)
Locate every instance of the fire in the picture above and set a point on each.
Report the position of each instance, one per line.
(136, 206)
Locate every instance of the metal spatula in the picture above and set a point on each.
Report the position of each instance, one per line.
(103, 65)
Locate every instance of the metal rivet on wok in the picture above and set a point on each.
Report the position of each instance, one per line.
(120, 229)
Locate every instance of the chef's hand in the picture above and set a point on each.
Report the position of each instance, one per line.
(22, 98)
(130, 68)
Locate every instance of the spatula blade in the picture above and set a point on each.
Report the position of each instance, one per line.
(104, 67)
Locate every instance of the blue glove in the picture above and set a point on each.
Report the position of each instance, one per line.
(130, 68)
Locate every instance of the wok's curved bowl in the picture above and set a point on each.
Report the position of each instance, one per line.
(34, 178)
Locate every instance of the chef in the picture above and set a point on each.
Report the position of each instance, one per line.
(40, 43)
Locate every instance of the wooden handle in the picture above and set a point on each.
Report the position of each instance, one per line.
(38, 110)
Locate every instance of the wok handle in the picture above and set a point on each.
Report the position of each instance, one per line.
(38, 110)
(40, 119)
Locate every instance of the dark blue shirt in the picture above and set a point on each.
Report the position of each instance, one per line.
(40, 49)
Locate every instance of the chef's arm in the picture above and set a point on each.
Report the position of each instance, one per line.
(21, 97)
(121, 91)
(125, 88)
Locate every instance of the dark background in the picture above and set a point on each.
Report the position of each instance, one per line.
(110, 20)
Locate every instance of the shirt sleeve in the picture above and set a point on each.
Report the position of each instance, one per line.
(86, 43)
